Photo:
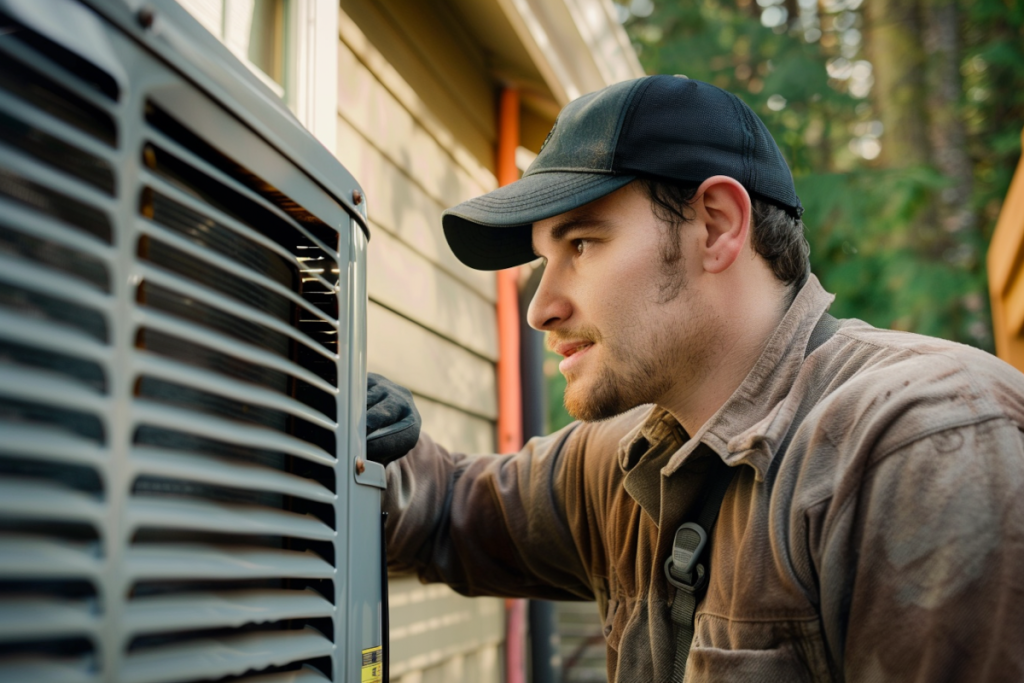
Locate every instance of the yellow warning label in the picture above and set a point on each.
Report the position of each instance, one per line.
(373, 665)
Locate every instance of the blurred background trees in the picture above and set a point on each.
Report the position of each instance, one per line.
(901, 120)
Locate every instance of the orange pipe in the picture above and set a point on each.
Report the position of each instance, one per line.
(510, 399)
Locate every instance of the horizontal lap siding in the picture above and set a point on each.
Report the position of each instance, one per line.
(404, 281)
(403, 208)
(435, 632)
(431, 322)
(428, 364)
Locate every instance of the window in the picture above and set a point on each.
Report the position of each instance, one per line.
(291, 45)
(255, 30)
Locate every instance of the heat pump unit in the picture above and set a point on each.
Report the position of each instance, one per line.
(182, 376)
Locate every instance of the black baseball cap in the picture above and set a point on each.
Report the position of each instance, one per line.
(664, 127)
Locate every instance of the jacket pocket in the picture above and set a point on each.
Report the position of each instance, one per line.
(757, 651)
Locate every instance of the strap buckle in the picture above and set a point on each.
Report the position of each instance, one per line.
(697, 584)
(682, 568)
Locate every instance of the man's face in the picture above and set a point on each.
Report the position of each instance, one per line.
(629, 319)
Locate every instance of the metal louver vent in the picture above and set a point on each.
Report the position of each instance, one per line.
(181, 373)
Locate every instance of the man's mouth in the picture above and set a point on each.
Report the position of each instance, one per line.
(568, 349)
(573, 352)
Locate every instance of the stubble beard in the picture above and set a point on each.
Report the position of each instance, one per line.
(644, 370)
(612, 393)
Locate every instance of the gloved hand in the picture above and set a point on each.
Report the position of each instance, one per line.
(392, 421)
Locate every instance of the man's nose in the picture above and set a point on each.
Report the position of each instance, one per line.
(549, 307)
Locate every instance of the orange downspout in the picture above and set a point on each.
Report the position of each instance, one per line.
(510, 400)
(510, 408)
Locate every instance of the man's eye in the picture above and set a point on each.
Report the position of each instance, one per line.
(581, 245)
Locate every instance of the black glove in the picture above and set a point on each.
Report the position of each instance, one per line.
(392, 421)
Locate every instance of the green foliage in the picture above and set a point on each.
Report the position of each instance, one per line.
(864, 254)
(993, 72)
(863, 220)
(875, 239)
(557, 416)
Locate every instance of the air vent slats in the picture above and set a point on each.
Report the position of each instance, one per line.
(239, 520)
(168, 292)
(69, 451)
(289, 247)
(23, 498)
(311, 261)
(54, 472)
(220, 471)
(18, 383)
(54, 255)
(199, 424)
(56, 204)
(153, 321)
(212, 659)
(199, 265)
(57, 153)
(176, 330)
(211, 241)
(164, 122)
(271, 398)
(58, 285)
(45, 416)
(314, 394)
(175, 260)
(81, 69)
(213, 188)
(240, 410)
(50, 309)
(194, 561)
(218, 237)
(55, 94)
(48, 336)
(87, 372)
(77, 670)
(25, 556)
(48, 618)
(189, 611)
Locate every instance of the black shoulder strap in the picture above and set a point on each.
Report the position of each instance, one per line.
(822, 332)
(683, 568)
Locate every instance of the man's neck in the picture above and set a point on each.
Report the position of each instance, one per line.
(740, 340)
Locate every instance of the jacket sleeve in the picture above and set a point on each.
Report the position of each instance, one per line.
(933, 549)
(491, 524)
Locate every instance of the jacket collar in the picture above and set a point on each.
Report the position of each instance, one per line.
(750, 425)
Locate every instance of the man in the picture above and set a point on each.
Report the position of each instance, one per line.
(861, 491)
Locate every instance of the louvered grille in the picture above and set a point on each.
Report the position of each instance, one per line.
(54, 305)
(170, 386)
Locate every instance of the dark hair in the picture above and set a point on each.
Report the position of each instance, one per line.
(776, 235)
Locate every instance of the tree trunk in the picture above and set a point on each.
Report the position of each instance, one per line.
(898, 60)
(946, 132)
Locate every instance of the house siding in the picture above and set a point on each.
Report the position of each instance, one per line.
(431, 322)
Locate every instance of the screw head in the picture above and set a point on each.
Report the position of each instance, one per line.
(357, 197)
(146, 16)
(360, 466)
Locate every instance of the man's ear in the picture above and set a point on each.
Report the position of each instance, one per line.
(724, 207)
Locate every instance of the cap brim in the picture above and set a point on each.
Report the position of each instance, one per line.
(494, 231)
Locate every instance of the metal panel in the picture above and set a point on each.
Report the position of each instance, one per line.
(182, 365)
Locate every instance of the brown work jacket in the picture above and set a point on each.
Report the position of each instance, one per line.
(885, 544)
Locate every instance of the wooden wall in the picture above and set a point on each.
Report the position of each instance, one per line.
(1006, 274)
(415, 126)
